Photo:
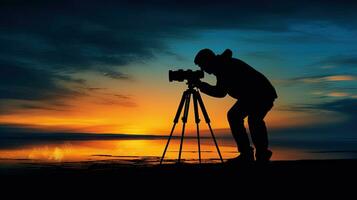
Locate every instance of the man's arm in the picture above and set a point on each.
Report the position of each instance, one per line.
(216, 91)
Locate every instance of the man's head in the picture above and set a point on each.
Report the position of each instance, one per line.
(205, 59)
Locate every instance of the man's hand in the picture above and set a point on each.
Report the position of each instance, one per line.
(215, 91)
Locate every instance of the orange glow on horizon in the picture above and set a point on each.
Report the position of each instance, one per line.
(149, 108)
(146, 118)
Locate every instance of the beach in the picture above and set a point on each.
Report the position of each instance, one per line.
(299, 175)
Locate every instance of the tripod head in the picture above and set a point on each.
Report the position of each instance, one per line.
(192, 83)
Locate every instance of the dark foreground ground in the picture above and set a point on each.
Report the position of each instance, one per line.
(319, 176)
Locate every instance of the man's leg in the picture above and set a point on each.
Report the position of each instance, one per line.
(236, 117)
(259, 131)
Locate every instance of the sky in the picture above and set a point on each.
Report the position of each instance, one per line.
(102, 66)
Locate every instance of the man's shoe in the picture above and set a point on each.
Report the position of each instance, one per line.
(247, 157)
(263, 156)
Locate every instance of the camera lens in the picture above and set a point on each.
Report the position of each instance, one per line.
(171, 75)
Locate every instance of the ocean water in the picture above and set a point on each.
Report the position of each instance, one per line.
(150, 150)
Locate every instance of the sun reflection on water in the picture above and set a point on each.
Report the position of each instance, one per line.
(126, 149)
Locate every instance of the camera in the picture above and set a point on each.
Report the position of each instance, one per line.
(189, 75)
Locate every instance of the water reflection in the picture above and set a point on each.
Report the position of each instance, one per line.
(111, 149)
(133, 149)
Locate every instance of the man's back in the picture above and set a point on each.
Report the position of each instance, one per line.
(244, 82)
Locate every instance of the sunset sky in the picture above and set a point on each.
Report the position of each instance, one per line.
(102, 66)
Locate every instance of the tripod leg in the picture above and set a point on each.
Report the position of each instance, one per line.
(208, 121)
(197, 120)
(178, 113)
(184, 120)
(167, 144)
(215, 142)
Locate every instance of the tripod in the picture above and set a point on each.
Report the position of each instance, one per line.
(185, 101)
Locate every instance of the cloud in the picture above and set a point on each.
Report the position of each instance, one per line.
(342, 119)
(75, 35)
(338, 94)
(70, 37)
(121, 96)
(33, 106)
(318, 79)
(325, 78)
(345, 61)
(22, 83)
(323, 87)
(94, 88)
(116, 75)
(116, 99)
(127, 103)
(87, 35)
(346, 106)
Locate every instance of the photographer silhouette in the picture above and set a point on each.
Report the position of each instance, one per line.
(255, 96)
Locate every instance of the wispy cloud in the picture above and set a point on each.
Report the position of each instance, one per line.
(94, 88)
(325, 78)
(23, 83)
(338, 94)
(121, 96)
(116, 75)
(346, 106)
(346, 61)
(116, 102)
(318, 79)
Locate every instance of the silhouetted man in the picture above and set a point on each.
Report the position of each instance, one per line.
(255, 96)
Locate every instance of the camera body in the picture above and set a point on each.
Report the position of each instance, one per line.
(189, 75)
